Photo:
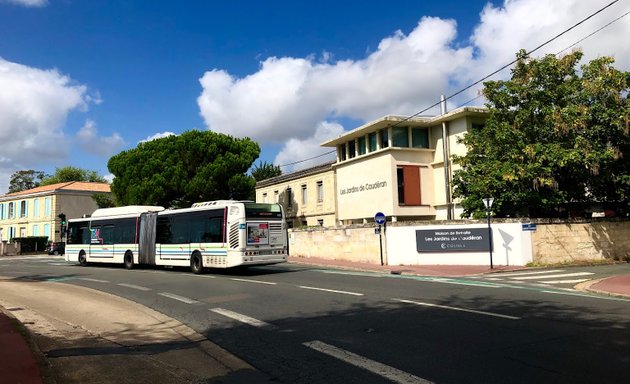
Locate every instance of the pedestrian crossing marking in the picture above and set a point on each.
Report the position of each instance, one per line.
(553, 276)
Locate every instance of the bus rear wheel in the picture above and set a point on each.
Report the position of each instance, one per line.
(196, 263)
(82, 259)
(128, 260)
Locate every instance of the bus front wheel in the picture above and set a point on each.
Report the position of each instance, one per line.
(82, 259)
(128, 260)
(196, 264)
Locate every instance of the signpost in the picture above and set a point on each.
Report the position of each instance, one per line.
(379, 219)
(487, 202)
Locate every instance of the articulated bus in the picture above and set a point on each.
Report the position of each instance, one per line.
(214, 234)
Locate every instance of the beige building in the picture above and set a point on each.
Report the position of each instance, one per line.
(308, 195)
(395, 165)
(34, 212)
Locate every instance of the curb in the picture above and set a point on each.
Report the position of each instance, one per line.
(586, 287)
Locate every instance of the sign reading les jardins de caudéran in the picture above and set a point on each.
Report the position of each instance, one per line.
(452, 240)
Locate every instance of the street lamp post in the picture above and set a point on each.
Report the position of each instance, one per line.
(487, 201)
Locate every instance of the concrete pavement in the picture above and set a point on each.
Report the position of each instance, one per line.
(108, 339)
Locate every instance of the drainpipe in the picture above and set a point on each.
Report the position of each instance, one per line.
(446, 155)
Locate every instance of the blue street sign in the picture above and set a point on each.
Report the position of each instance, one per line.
(379, 218)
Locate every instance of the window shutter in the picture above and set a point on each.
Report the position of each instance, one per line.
(411, 174)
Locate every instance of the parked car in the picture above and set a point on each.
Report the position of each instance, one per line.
(58, 248)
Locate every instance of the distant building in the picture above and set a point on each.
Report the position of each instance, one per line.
(33, 212)
(395, 165)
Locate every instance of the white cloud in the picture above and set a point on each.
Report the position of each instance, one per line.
(34, 105)
(157, 136)
(28, 3)
(309, 148)
(288, 98)
(101, 145)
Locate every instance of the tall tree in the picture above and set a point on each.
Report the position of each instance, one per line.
(176, 171)
(265, 170)
(555, 138)
(23, 180)
(69, 173)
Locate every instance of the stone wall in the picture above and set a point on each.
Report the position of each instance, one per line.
(552, 242)
(567, 242)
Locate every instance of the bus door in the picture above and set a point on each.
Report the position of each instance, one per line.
(146, 238)
(102, 242)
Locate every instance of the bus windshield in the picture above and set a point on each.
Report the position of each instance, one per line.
(262, 210)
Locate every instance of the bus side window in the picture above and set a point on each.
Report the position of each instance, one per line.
(163, 231)
(107, 234)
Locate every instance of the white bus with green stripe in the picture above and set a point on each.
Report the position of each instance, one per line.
(214, 234)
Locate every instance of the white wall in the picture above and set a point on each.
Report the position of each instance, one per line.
(511, 246)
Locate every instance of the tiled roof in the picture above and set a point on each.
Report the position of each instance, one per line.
(69, 186)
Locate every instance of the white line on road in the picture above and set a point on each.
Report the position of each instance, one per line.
(563, 281)
(254, 281)
(93, 280)
(179, 298)
(242, 318)
(501, 274)
(138, 287)
(554, 276)
(390, 373)
(458, 309)
(331, 290)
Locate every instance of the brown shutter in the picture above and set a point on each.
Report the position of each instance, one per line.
(411, 174)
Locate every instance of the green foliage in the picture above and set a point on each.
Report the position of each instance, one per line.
(554, 138)
(23, 180)
(104, 200)
(68, 174)
(32, 243)
(176, 171)
(265, 170)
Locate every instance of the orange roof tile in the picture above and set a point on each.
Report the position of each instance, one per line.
(69, 186)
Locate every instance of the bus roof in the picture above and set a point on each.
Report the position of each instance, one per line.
(128, 210)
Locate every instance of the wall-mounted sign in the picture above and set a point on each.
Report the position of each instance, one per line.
(452, 240)
(528, 226)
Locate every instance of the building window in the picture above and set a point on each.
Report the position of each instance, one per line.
(304, 196)
(342, 152)
(36, 208)
(400, 137)
(35, 230)
(384, 134)
(47, 230)
(11, 213)
(264, 197)
(320, 191)
(478, 126)
(362, 145)
(47, 207)
(1, 211)
(351, 149)
(420, 138)
(408, 185)
(23, 209)
(372, 141)
(289, 197)
(276, 196)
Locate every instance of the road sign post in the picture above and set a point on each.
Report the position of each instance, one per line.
(379, 219)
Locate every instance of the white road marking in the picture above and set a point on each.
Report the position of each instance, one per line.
(61, 264)
(93, 280)
(331, 290)
(563, 281)
(553, 276)
(242, 318)
(204, 276)
(179, 298)
(380, 369)
(138, 287)
(254, 281)
(526, 273)
(458, 309)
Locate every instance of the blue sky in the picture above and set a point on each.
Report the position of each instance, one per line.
(82, 80)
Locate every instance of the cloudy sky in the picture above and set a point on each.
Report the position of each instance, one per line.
(82, 80)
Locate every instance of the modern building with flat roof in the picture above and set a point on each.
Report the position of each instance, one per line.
(400, 166)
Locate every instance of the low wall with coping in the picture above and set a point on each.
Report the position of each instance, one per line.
(551, 242)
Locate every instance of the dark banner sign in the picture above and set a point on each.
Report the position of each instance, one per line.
(452, 240)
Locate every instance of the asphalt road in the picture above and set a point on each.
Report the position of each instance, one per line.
(299, 324)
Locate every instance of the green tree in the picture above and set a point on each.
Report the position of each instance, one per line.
(23, 180)
(556, 138)
(265, 170)
(176, 171)
(69, 173)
